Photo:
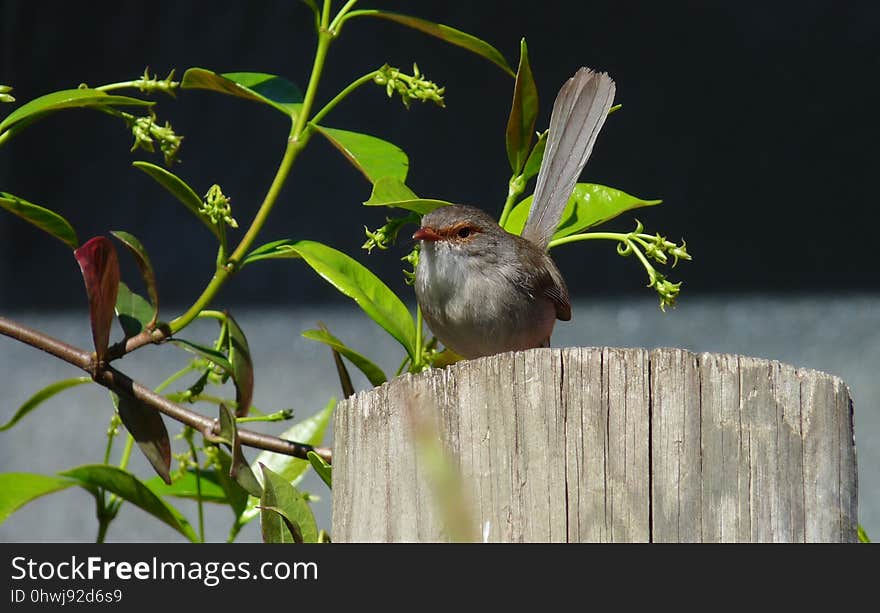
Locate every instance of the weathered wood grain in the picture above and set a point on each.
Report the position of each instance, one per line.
(598, 445)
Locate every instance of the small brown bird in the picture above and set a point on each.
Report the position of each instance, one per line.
(483, 290)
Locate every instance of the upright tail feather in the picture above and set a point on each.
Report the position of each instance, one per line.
(578, 114)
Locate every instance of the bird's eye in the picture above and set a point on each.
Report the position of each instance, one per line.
(464, 232)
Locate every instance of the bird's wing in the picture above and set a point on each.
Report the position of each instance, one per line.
(578, 114)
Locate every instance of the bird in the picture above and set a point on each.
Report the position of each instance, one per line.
(484, 291)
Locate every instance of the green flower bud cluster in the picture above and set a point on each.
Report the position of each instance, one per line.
(409, 87)
(216, 206)
(4, 94)
(385, 236)
(659, 249)
(146, 131)
(151, 84)
(411, 258)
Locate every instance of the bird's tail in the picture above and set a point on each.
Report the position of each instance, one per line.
(578, 114)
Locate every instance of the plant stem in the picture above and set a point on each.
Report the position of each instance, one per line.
(295, 143)
(340, 17)
(112, 379)
(367, 78)
(515, 188)
(417, 362)
(126, 452)
(200, 502)
(615, 236)
(103, 524)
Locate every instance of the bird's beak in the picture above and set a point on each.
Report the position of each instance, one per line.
(426, 234)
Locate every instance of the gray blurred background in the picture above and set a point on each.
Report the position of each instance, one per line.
(754, 123)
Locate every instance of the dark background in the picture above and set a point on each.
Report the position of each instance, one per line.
(753, 121)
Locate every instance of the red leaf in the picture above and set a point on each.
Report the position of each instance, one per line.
(100, 270)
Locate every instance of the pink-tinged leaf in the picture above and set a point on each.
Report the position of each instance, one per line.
(148, 430)
(100, 270)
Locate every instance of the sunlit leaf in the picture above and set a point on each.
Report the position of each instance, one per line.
(130, 488)
(523, 113)
(148, 430)
(324, 470)
(142, 259)
(352, 279)
(448, 34)
(65, 99)
(392, 192)
(589, 205)
(135, 314)
(373, 373)
(279, 494)
(100, 270)
(374, 157)
(206, 487)
(43, 218)
(178, 188)
(43, 395)
(18, 489)
(269, 89)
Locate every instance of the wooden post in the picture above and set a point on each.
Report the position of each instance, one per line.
(599, 444)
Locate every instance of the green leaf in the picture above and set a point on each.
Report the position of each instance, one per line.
(533, 164)
(309, 431)
(242, 367)
(374, 157)
(269, 89)
(294, 532)
(240, 470)
(65, 99)
(373, 373)
(187, 487)
(44, 394)
(863, 536)
(100, 270)
(392, 192)
(281, 495)
(180, 190)
(352, 279)
(135, 314)
(236, 495)
(142, 259)
(523, 113)
(589, 205)
(212, 355)
(324, 470)
(18, 489)
(129, 488)
(148, 430)
(450, 35)
(44, 219)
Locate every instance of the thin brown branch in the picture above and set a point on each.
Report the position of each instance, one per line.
(117, 381)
